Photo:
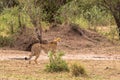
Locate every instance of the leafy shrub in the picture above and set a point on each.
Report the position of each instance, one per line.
(6, 41)
(56, 64)
(9, 20)
(77, 70)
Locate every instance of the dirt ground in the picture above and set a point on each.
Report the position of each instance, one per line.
(108, 53)
(100, 64)
(96, 70)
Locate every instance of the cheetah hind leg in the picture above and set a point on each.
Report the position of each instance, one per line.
(37, 56)
(30, 56)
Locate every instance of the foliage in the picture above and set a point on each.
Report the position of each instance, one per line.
(78, 70)
(37, 13)
(50, 8)
(6, 41)
(32, 10)
(8, 4)
(9, 20)
(114, 8)
(57, 64)
(84, 13)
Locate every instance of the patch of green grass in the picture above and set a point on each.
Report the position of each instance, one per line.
(56, 64)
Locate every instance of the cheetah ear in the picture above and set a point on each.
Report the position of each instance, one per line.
(57, 39)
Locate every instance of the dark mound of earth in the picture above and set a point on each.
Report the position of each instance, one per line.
(73, 37)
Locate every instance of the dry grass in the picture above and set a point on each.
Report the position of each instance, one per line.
(109, 31)
(21, 70)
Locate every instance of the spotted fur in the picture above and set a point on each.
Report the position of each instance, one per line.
(37, 48)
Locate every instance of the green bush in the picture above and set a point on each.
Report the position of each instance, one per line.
(56, 64)
(6, 41)
(77, 70)
(9, 20)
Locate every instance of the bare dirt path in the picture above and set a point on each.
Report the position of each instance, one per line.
(20, 55)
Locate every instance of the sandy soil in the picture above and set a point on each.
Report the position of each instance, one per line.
(107, 53)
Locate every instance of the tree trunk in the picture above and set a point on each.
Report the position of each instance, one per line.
(39, 33)
(12, 29)
(37, 24)
(118, 26)
(117, 20)
(19, 20)
(115, 10)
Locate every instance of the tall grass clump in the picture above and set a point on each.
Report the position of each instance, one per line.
(56, 63)
(77, 70)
